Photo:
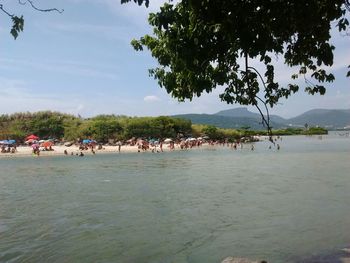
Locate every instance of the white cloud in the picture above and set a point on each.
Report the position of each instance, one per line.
(151, 98)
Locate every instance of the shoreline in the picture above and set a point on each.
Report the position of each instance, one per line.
(58, 150)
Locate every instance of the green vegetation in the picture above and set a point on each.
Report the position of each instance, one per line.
(299, 131)
(200, 45)
(106, 128)
(101, 128)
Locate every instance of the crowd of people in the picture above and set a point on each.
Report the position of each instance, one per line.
(83, 147)
(8, 148)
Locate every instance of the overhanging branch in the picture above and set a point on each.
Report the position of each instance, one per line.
(40, 9)
(265, 121)
(6, 12)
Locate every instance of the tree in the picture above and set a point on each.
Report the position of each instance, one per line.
(140, 2)
(18, 21)
(201, 45)
(211, 132)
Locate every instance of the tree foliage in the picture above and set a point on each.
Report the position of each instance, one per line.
(44, 124)
(140, 2)
(102, 128)
(201, 45)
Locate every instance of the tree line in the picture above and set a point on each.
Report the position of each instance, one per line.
(102, 128)
(112, 128)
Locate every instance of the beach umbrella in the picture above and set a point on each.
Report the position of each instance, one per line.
(86, 141)
(30, 141)
(168, 140)
(8, 142)
(32, 137)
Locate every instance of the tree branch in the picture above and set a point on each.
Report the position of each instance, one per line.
(265, 122)
(39, 9)
(7, 13)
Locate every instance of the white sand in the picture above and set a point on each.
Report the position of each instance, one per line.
(23, 151)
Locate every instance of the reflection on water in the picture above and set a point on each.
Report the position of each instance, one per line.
(189, 206)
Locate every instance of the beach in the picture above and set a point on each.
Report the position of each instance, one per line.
(59, 150)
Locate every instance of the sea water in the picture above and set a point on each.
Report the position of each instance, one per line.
(199, 205)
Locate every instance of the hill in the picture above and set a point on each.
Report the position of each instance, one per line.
(242, 117)
(323, 117)
(244, 112)
(227, 121)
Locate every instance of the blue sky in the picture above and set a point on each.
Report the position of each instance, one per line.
(81, 62)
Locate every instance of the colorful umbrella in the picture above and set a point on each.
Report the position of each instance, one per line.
(30, 141)
(8, 142)
(32, 137)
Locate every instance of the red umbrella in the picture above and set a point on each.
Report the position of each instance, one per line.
(32, 137)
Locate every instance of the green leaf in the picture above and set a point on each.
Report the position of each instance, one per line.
(17, 26)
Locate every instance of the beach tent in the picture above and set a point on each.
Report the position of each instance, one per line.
(32, 137)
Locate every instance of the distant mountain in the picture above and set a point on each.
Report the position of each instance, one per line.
(226, 121)
(323, 117)
(240, 112)
(242, 117)
(244, 112)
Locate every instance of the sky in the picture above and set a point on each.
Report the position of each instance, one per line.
(81, 62)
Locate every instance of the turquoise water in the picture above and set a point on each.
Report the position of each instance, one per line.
(200, 205)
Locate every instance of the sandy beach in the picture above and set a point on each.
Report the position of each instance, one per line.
(58, 150)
